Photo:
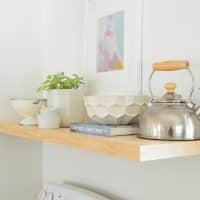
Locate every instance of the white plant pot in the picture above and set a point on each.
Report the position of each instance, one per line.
(69, 103)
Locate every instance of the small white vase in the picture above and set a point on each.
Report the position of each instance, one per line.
(49, 118)
(69, 103)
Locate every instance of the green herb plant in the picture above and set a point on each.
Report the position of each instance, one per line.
(61, 81)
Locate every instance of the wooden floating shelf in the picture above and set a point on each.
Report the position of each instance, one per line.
(129, 147)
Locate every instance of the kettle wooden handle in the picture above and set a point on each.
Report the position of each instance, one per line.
(170, 87)
(171, 65)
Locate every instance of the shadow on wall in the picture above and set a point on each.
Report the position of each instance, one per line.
(121, 179)
(105, 193)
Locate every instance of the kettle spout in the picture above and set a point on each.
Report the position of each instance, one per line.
(197, 112)
(149, 104)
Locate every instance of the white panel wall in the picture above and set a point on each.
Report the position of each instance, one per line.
(64, 37)
(170, 31)
(21, 169)
(20, 58)
(20, 52)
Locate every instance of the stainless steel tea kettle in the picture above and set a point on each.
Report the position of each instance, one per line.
(170, 118)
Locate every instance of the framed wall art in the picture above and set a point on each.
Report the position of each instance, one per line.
(113, 46)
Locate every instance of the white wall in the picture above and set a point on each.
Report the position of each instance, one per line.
(20, 56)
(122, 179)
(21, 168)
(63, 38)
(20, 64)
(170, 31)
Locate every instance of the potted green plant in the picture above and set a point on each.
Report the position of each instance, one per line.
(66, 94)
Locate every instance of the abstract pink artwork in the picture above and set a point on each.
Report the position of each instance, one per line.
(111, 43)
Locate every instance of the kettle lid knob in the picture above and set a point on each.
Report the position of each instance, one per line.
(170, 87)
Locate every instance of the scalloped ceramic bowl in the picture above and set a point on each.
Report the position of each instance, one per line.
(114, 109)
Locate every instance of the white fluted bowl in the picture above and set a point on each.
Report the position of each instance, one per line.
(114, 109)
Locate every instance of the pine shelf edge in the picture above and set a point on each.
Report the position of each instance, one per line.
(129, 147)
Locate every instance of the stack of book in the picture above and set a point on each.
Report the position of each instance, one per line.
(104, 130)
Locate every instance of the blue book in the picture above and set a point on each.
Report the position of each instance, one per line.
(103, 130)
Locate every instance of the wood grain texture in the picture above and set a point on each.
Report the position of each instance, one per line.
(129, 147)
(171, 65)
